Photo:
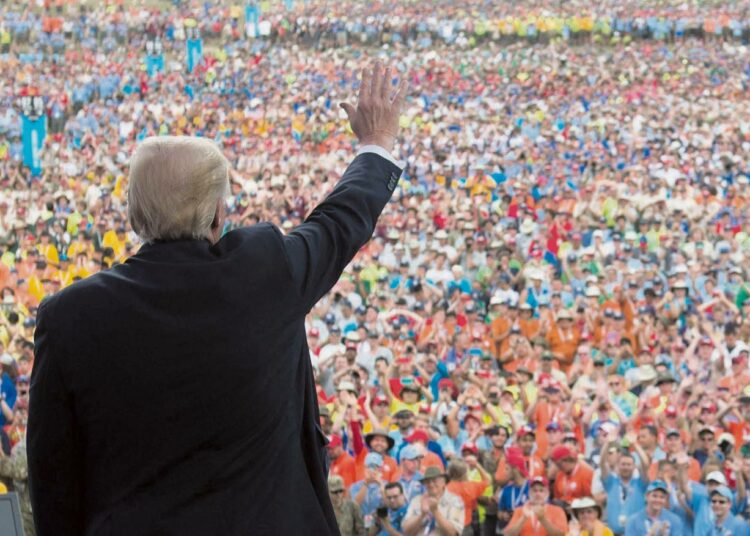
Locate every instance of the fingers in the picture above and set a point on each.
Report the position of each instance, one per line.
(400, 98)
(377, 79)
(385, 89)
(366, 85)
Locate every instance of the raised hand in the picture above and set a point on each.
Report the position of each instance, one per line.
(375, 118)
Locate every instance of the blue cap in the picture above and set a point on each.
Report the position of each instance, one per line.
(373, 460)
(724, 491)
(410, 452)
(657, 484)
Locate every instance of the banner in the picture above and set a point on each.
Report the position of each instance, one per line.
(194, 53)
(154, 57)
(33, 132)
(252, 18)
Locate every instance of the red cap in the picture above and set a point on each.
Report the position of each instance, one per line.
(424, 408)
(314, 332)
(514, 458)
(560, 452)
(539, 480)
(334, 441)
(403, 360)
(670, 411)
(417, 435)
(524, 431)
(379, 399)
(471, 447)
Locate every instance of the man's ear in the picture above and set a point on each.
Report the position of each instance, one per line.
(217, 215)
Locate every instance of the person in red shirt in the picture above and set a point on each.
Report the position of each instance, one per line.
(537, 517)
(574, 477)
(342, 463)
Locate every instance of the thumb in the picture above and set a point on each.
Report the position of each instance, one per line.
(349, 109)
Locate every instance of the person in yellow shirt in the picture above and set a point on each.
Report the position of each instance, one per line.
(586, 522)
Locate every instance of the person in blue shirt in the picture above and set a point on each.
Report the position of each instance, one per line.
(655, 519)
(724, 523)
(397, 506)
(516, 492)
(698, 496)
(626, 493)
(367, 493)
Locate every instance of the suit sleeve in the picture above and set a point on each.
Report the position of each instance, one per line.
(320, 248)
(55, 459)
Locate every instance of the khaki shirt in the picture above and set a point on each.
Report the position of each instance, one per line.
(450, 506)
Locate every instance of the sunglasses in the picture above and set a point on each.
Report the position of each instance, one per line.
(614, 384)
(336, 492)
(718, 501)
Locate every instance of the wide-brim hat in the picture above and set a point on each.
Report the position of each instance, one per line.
(432, 473)
(586, 502)
(382, 433)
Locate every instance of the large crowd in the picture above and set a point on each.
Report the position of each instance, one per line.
(548, 332)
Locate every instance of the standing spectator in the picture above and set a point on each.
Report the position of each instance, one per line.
(437, 511)
(368, 493)
(586, 519)
(467, 490)
(537, 517)
(655, 519)
(574, 476)
(348, 515)
(724, 522)
(397, 505)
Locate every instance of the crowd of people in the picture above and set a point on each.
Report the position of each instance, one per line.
(548, 332)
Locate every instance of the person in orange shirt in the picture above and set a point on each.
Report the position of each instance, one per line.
(563, 338)
(420, 439)
(377, 441)
(460, 485)
(500, 327)
(674, 446)
(342, 463)
(574, 477)
(537, 517)
(529, 325)
(526, 438)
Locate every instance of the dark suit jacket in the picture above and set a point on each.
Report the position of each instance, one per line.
(174, 395)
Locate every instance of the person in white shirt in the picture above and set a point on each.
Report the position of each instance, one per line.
(437, 512)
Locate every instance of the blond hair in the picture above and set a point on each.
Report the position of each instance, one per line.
(175, 184)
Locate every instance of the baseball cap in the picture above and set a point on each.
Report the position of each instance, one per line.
(524, 431)
(539, 480)
(561, 452)
(724, 491)
(373, 460)
(672, 432)
(657, 484)
(410, 452)
(717, 476)
(470, 447)
(334, 441)
(417, 435)
(554, 426)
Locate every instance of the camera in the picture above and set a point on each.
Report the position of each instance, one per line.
(382, 512)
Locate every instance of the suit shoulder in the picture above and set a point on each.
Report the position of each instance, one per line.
(79, 293)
